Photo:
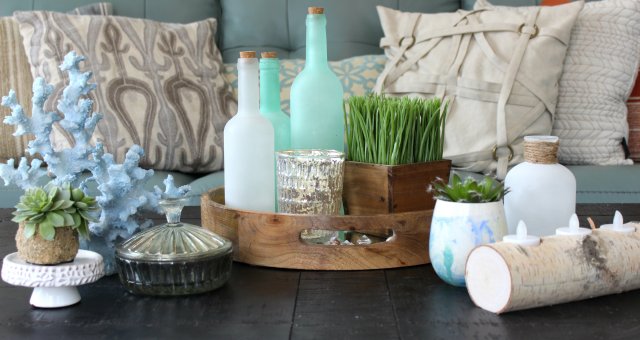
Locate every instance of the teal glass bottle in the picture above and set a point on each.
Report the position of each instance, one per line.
(317, 119)
(270, 100)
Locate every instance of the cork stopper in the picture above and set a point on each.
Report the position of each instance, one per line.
(247, 54)
(541, 149)
(269, 55)
(316, 10)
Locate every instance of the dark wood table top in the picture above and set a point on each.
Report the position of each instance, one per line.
(265, 303)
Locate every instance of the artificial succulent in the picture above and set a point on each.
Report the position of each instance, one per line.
(42, 209)
(469, 190)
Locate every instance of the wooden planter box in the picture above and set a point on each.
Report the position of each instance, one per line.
(371, 189)
(274, 240)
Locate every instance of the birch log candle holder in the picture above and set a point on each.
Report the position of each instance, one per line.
(503, 277)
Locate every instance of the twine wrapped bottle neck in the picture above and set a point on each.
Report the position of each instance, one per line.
(541, 152)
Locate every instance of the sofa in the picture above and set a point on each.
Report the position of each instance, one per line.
(353, 29)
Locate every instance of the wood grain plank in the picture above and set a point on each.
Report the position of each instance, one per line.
(427, 308)
(343, 305)
(371, 189)
(365, 189)
(253, 296)
(603, 213)
(409, 183)
(8, 231)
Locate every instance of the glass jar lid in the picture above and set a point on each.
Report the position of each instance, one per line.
(173, 241)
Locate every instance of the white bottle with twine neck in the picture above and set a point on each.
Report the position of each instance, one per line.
(543, 192)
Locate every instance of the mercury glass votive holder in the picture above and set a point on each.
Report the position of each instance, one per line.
(310, 181)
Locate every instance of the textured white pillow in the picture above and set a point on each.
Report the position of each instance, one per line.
(599, 74)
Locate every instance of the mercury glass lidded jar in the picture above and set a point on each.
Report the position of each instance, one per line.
(175, 258)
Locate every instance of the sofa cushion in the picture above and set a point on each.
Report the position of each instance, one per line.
(352, 26)
(159, 85)
(16, 75)
(607, 184)
(161, 10)
(357, 74)
(204, 184)
(99, 8)
(597, 183)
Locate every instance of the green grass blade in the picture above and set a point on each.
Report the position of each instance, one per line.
(389, 130)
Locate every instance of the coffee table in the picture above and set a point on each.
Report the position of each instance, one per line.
(265, 303)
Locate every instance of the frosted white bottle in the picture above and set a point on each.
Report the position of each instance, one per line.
(249, 161)
(543, 192)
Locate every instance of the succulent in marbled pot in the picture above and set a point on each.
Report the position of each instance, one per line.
(469, 190)
(44, 209)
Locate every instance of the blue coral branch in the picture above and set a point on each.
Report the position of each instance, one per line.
(171, 191)
(17, 117)
(122, 194)
(25, 175)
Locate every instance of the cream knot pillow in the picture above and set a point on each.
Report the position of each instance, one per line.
(498, 67)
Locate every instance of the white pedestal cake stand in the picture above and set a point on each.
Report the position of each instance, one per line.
(54, 286)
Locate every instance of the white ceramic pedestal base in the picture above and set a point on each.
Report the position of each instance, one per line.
(54, 297)
(55, 286)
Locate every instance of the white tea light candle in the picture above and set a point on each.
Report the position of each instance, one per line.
(573, 228)
(521, 238)
(618, 225)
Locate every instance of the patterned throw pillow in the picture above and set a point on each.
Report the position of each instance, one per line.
(358, 75)
(159, 85)
(599, 73)
(633, 104)
(15, 74)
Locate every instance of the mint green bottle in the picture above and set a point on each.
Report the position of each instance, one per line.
(270, 100)
(317, 120)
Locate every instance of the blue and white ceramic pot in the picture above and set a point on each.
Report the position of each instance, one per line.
(457, 228)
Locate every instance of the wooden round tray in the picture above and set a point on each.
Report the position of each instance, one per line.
(273, 239)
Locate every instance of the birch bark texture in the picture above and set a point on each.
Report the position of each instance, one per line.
(503, 277)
